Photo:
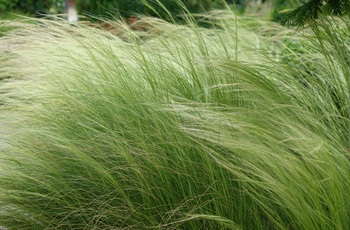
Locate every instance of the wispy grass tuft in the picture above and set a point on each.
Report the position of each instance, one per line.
(176, 126)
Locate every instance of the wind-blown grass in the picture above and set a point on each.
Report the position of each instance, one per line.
(176, 126)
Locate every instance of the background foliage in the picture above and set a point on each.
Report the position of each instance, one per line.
(5, 5)
(311, 10)
(126, 7)
(33, 6)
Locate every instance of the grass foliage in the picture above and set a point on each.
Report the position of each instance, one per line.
(175, 126)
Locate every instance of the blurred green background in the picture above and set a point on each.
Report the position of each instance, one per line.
(126, 8)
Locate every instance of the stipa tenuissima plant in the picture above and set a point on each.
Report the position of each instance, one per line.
(175, 127)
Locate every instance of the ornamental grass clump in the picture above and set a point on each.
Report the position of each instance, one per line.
(175, 126)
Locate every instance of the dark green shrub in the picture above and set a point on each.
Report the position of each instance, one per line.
(32, 6)
(42, 6)
(6, 5)
(278, 6)
(126, 7)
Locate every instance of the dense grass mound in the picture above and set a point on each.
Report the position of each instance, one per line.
(175, 127)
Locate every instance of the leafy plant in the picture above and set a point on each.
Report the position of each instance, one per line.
(313, 8)
(126, 8)
(40, 6)
(6, 5)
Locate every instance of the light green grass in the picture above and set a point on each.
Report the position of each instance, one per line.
(176, 127)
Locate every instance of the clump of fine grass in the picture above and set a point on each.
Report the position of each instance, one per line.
(175, 127)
